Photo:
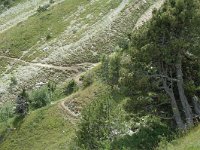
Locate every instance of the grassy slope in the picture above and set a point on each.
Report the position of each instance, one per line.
(33, 32)
(190, 141)
(43, 128)
(50, 127)
(26, 34)
(52, 22)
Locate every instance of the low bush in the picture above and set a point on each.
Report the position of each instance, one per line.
(40, 98)
(87, 79)
(43, 8)
(148, 132)
(71, 87)
(6, 112)
(22, 103)
(101, 123)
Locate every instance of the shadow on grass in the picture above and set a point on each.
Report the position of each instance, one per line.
(18, 122)
(9, 129)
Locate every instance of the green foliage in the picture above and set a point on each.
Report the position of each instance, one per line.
(71, 87)
(13, 81)
(124, 44)
(22, 103)
(104, 67)
(113, 68)
(43, 8)
(6, 112)
(40, 97)
(87, 79)
(110, 68)
(51, 1)
(48, 36)
(6, 3)
(157, 49)
(149, 131)
(45, 128)
(51, 86)
(101, 122)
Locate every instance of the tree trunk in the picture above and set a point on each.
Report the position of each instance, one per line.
(175, 110)
(196, 104)
(186, 107)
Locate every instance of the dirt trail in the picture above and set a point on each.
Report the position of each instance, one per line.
(74, 68)
(20, 13)
(69, 112)
(144, 18)
(29, 70)
(65, 51)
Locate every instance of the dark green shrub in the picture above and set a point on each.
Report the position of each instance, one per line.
(110, 67)
(40, 98)
(22, 104)
(101, 123)
(124, 44)
(51, 1)
(48, 37)
(51, 87)
(43, 8)
(149, 131)
(113, 68)
(13, 81)
(87, 79)
(71, 87)
(104, 67)
(6, 4)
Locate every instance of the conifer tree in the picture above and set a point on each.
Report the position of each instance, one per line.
(162, 47)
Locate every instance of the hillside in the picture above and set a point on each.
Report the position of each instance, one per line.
(39, 45)
(99, 74)
(54, 45)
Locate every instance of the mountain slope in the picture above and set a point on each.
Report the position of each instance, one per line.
(52, 127)
(68, 34)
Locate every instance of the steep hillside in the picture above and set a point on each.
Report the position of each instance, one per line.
(100, 74)
(70, 33)
(52, 127)
(47, 128)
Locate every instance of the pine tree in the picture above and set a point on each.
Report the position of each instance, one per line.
(163, 45)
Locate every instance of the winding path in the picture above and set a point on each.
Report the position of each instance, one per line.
(50, 66)
(144, 18)
(106, 22)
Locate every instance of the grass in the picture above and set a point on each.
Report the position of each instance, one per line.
(51, 22)
(188, 141)
(45, 128)
(28, 33)
(3, 64)
(49, 127)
